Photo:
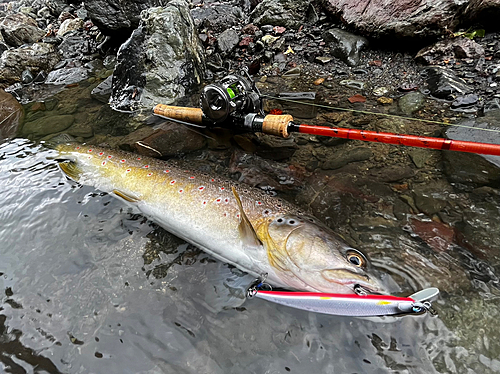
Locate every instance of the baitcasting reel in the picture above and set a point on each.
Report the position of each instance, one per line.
(233, 98)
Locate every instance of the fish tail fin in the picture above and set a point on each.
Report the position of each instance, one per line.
(70, 169)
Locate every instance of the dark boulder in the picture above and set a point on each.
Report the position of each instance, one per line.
(286, 13)
(444, 84)
(344, 45)
(118, 18)
(162, 61)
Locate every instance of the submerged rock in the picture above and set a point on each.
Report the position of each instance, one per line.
(103, 91)
(473, 168)
(18, 29)
(444, 84)
(67, 76)
(46, 126)
(11, 115)
(36, 57)
(411, 102)
(170, 139)
(344, 45)
(286, 13)
(162, 61)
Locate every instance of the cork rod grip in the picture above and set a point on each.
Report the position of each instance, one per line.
(192, 115)
(277, 124)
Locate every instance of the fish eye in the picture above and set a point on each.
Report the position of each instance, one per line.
(356, 258)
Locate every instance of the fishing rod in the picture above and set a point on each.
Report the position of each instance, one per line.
(235, 102)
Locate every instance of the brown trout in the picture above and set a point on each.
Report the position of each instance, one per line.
(237, 224)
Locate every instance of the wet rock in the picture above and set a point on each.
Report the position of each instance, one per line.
(18, 29)
(80, 130)
(162, 61)
(351, 83)
(26, 77)
(170, 139)
(286, 13)
(103, 91)
(74, 46)
(67, 76)
(456, 48)
(472, 168)
(339, 158)
(392, 173)
(11, 115)
(118, 18)
(432, 196)
(439, 236)
(444, 84)
(275, 148)
(419, 156)
(410, 103)
(227, 40)
(217, 17)
(36, 57)
(267, 174)
(465, 101)
(47, 125)
(56, 7)
(344, 45)
(70, 25)
(403, 18)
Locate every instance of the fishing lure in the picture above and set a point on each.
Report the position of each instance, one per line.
(351, 305)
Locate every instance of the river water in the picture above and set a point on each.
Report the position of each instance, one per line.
(90, 286)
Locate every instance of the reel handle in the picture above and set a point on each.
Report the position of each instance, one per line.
(191, 115)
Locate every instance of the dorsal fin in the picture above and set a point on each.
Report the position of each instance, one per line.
(247, 232)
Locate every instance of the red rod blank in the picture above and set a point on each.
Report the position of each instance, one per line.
(402, 139)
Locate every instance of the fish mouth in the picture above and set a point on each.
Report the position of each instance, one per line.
(360, 284)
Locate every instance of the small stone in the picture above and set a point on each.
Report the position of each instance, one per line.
(357, 99)
(375, 63)
(411, 102)
(70, 25)
(269, 39)
(318, 81)
(385, 100)
(465, 101)
(227, 40)
(323, 60)
(353, 84)
(26, 76)
(380, 91)
(278, 30)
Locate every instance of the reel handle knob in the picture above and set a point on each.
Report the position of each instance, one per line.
(191, 115)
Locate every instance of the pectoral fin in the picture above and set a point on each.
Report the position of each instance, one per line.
(70, 169)
(247, 232)
(126, 197)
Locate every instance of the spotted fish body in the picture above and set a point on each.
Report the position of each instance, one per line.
(237, 224)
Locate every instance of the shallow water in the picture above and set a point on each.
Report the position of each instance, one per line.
(92, 287)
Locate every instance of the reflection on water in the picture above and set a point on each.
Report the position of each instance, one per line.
(92, 287)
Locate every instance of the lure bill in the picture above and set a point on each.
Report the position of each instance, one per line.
(352, 305)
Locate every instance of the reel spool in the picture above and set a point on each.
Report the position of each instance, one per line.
(234, 95)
